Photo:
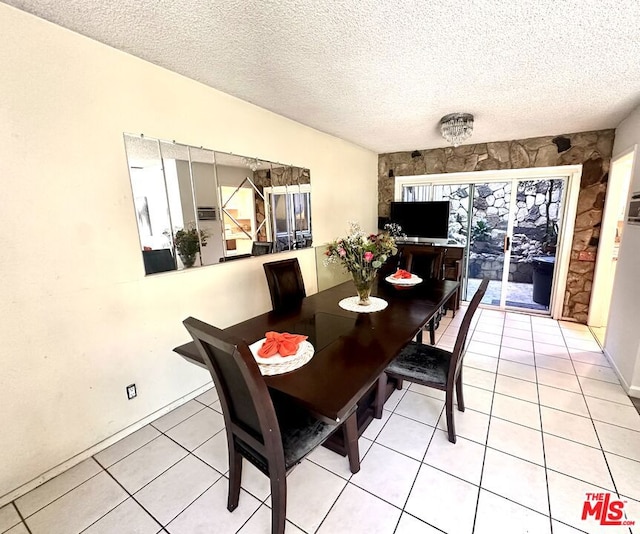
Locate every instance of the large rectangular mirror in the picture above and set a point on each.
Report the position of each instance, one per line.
(196, 206)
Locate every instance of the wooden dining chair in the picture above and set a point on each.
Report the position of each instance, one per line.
(285, 282)
(265, 427)
(438, 368)
(427, 265)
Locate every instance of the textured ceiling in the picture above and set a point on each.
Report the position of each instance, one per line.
(382, 73)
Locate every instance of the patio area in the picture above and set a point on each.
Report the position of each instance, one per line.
(519, 295)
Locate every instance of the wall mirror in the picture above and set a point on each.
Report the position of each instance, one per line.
(196, 206)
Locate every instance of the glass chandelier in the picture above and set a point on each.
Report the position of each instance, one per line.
(456, 127)
(252, 163)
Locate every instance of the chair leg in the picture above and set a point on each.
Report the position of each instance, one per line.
(432, 332)
(278, 502)
(454, 306)
(350, 429)
(459, 394)
(235, 478)
(451, 426)
(381, 390)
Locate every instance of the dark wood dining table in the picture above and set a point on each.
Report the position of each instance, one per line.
(352, 350)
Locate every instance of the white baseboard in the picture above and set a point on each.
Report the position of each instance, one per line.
(60, 468)
(632, 391)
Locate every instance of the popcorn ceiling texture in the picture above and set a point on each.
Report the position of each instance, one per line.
(382, 74)
(590, 149)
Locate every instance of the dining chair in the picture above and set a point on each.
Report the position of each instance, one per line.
(438, 368)
(258, 248)
(285, 282)
(265, 427)
(427, 265)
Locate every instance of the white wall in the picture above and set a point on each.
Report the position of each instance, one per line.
(622, 343)
(79, 319)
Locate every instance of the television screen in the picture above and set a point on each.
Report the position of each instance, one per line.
(425, 220)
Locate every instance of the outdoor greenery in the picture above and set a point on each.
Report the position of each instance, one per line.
(481, 231)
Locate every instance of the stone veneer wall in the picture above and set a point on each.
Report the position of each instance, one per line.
(591, 149)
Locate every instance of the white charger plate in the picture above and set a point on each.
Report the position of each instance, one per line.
(277, 364)
(414, 280)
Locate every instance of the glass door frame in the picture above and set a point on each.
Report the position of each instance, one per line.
(570, 173)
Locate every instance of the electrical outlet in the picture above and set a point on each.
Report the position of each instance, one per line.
(131, 391)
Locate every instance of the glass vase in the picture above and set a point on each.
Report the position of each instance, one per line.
(363, 283)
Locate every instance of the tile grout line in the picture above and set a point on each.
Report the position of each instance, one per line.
(486, 446)
(542, 433)
(189, 453)
(595, 429)
(57, 498)
(348, 481)
(421, 462)
(22, 519)
(425, 451)
(130, 496)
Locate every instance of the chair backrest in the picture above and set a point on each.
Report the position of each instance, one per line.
(285, 282)
(426, 264)
(258, 248)
(461, 340)
(158, 261)
(246, 404)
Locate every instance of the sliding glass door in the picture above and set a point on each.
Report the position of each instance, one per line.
(489, 240)
(510, 231)
(534, 239)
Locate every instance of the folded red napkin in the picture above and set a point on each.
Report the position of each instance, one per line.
(284, 344)
(401, 273)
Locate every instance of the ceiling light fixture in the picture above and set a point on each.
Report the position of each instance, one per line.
(456, 127)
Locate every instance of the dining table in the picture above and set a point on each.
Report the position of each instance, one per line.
(351, 349)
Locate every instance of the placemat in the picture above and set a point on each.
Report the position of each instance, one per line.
(351, 304)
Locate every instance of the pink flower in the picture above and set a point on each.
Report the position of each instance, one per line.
(368, 256)
(342, 252)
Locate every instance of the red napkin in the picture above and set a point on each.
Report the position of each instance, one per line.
(401, 273)
(284, 344)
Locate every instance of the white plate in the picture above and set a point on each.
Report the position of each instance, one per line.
(303, 349)
(414, 280)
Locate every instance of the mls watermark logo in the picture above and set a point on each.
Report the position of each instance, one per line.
(605, 509)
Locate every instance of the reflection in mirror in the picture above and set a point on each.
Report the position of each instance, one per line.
(288, 203)
(151, 203)
(197, 207)
(241, 203)
(207, 208)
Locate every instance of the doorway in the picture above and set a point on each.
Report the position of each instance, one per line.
(511, 224)
(611, 236)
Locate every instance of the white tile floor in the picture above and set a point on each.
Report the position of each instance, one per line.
(546, 422)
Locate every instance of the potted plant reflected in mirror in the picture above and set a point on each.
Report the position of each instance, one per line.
(188, 245)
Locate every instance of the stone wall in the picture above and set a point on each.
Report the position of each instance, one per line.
(591, 149)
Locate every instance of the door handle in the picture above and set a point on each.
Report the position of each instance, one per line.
(507, 243)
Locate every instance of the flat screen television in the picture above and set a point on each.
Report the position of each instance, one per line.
(423, 222)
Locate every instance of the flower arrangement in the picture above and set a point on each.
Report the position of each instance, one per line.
(187, 242)
(361, 255)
